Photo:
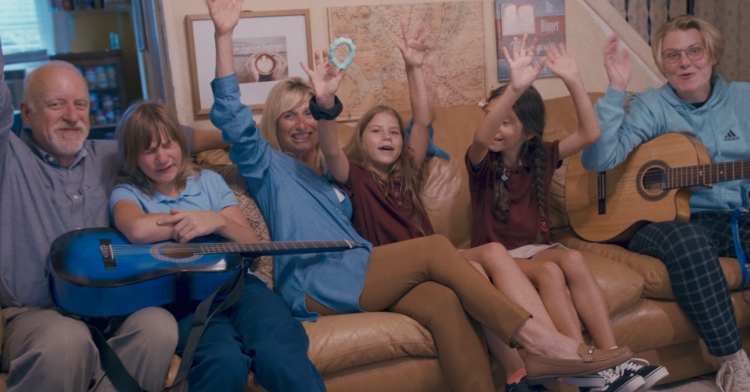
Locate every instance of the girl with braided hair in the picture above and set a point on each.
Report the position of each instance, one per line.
(510, 173)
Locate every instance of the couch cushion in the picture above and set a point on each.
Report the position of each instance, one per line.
(653, 271)
(622, 287)
(349, 340)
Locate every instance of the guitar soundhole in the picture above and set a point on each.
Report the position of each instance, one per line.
(650, 181)
(172, 252)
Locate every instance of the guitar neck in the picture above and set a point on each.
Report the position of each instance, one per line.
(687, 176)
(264, 248)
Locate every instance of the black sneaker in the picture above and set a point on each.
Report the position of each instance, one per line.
(616, 381)
(651, 374)
(523, 386)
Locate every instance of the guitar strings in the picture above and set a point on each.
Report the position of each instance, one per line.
(228, 247)
(697, 175)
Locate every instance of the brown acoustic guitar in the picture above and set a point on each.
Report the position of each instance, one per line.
(652, 185)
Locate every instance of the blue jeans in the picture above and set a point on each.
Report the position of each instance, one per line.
(259, 334)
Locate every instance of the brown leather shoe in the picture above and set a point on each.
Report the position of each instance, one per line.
(592, 360)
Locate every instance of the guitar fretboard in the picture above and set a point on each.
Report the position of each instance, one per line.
(262, 248)
(687, 176)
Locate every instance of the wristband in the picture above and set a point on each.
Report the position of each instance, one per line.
(332, 52)
(326, 114)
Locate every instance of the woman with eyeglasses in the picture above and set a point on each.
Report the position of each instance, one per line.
(700, 103)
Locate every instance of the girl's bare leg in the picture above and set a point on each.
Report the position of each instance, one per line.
(507, 276)
(549, 279)
(395, 269)
(587, 296)
(509, 358)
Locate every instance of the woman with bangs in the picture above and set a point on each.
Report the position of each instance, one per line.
(163, 196)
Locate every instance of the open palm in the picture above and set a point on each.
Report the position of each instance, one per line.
(415, 47)
(225, 14)
(560, 62)
(523, 72)
(326, 78)
(617, 64)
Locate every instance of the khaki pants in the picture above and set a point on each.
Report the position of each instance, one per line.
(46, 351)
(428, 280)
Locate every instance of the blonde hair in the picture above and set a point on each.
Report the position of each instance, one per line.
(404, 167)
(143, 123)
(711, 37)
(286, 95)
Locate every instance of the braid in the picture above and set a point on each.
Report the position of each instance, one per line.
(529, 109)
(538, 166)
(500, 200)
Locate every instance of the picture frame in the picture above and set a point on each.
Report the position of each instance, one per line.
(268, 47)
(540, 19)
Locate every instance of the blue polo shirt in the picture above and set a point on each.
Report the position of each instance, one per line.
(204, 192)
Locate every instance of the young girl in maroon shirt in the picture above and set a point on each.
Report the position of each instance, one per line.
(510, 172)
(383, 178)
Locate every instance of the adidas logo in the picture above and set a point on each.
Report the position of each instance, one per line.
(730, 136)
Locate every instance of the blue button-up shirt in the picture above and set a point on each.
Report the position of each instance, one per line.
(298, 205)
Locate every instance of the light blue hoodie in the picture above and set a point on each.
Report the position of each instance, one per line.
(722, 124)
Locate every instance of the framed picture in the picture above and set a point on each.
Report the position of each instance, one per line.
(268, 47)
(540, 19)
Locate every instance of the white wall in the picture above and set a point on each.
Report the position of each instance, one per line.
(588, 23)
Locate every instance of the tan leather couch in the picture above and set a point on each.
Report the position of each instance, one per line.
(390, 352)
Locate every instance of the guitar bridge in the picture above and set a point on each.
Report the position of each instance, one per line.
(601, 192)
(108, 254)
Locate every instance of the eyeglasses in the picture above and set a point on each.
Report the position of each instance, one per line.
(694, 53)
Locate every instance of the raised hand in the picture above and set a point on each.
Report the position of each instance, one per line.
(225, 14)
(523, 72)
(192, 224)
(617, 64)
(415, 47)
(561, 63)
(326, 78)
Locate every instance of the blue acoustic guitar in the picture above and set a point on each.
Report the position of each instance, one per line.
(97, 272)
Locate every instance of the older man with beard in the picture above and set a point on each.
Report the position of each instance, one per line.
(53, 180)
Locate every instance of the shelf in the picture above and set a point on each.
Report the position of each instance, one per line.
(103, 126)
(91, 11)
(103, 90)
(100, 56)
(102, 131)
(95, 67)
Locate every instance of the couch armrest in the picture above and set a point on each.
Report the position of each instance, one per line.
(347, 341)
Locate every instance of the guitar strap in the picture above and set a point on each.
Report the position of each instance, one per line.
(124, 382)
(741, 257)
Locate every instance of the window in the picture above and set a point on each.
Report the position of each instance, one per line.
(26, 30)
